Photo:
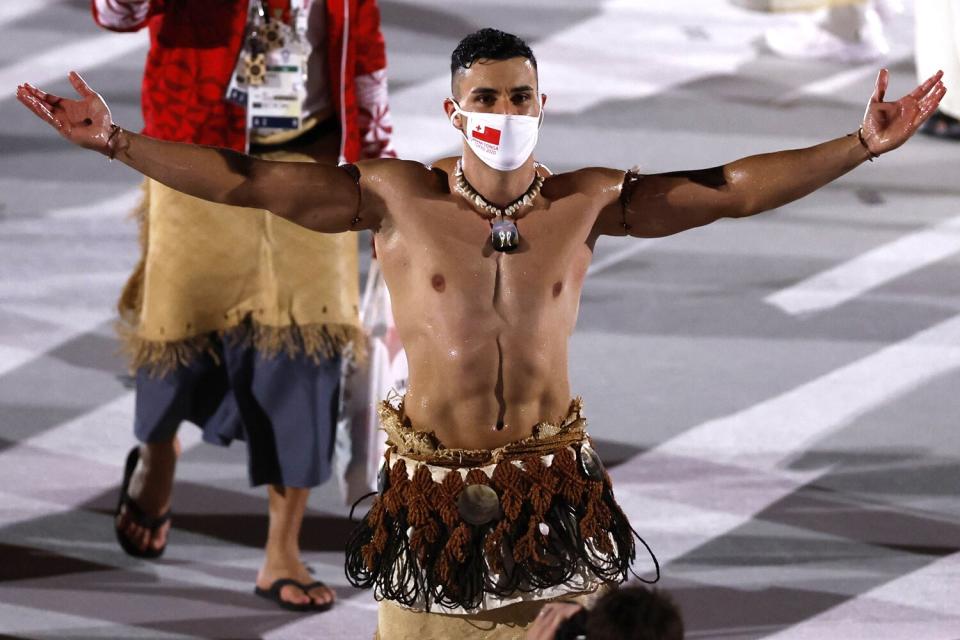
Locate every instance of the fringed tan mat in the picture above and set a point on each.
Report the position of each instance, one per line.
(205, 268)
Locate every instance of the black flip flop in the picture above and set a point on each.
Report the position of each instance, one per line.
(135, 513)
(273, 594)
(318, 607)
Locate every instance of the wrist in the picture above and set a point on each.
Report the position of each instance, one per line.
(870, 154)
(112, 145)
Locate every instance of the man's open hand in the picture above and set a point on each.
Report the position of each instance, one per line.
(887, 125)
(85, 122)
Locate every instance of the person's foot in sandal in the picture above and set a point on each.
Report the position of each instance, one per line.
(292, 587)
(142, 520)
(282, 554)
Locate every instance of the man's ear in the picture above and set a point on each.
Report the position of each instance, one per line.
(543, 101)
(455, 119)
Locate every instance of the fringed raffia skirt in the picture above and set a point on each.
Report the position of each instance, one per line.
(464, 532)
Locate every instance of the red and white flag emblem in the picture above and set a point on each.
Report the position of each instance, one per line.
(486, 134)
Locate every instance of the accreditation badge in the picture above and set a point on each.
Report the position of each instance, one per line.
(269, 78)
(277, 101)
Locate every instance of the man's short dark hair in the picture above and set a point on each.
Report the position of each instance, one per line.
(635, 613)
(489, 44)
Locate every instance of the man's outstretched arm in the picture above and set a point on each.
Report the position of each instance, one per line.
(664, 204)
(319, 197)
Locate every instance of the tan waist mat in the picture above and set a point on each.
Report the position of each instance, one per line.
(205, 267)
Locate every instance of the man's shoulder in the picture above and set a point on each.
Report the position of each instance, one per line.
(397, 174)
(589, 181)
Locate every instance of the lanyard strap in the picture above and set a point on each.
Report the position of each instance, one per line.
(270, 8)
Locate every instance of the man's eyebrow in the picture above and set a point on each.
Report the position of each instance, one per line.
(478, 90)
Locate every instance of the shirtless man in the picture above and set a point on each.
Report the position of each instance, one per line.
(491, 498)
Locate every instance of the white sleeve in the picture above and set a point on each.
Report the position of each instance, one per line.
(121, 15)
(376, 126)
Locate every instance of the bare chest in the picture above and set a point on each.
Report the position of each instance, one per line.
(442, 246)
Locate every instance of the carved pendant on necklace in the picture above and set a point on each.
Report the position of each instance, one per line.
(504, 235)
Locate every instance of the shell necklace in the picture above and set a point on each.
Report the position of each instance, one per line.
(503, 233)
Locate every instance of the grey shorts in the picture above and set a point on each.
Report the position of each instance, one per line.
(284, 408)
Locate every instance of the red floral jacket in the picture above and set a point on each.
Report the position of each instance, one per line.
(194, 45)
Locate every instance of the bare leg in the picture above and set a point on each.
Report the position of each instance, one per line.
(282, 560)
(151, 487)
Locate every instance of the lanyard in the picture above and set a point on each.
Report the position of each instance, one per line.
(272, 9)
(270, 76)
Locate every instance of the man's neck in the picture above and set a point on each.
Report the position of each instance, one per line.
(499, 188)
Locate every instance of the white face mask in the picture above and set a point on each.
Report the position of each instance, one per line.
(503, 142)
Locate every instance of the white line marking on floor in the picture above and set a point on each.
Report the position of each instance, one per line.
(12, 356)
(41, 618)
(118, 206)
(870, 270)
(47, 287)
(24, 293)
(53, 64)
(914, 605)
(767, 435)
(113, 424)
(718, 475)
(679, 504)
(10, 11)
(312, 627)
(632, 248)
(73, 437)
(831, 85)
(66, 328)
(107, 552)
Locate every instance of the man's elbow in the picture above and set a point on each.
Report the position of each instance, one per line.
(744, 209)
(737, 197)
(246, 176)
(743, 203)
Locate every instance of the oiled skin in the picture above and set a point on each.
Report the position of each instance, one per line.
(486, 333)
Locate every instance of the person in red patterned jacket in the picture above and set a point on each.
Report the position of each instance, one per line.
(229, 327)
